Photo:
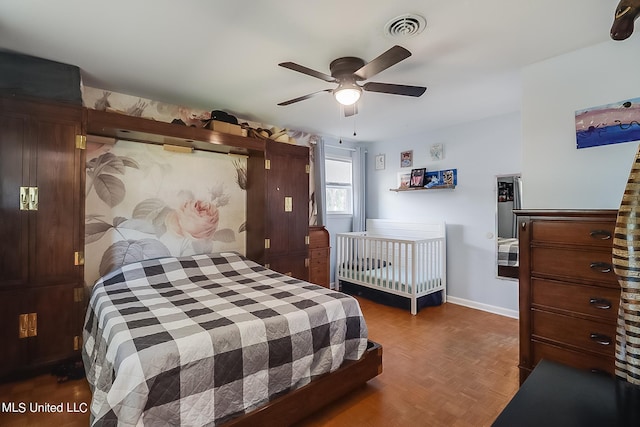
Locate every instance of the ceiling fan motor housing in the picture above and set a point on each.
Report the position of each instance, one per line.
(345, 67)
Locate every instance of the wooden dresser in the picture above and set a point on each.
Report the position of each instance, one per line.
(319, 256)
(569, 294)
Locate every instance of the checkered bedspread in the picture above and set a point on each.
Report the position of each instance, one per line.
(199, 340)
(508, 252)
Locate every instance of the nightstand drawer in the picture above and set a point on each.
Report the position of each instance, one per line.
(586, 334)
(319, 255)
(320, 276)
(593, 301)
(580, 264)
(591, 233)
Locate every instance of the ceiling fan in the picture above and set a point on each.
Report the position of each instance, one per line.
(348, 71)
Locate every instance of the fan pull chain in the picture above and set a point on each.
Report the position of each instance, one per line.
(354, 125)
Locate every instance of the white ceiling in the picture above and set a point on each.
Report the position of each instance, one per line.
(215, 54)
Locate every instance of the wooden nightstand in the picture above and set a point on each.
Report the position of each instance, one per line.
(319, 256)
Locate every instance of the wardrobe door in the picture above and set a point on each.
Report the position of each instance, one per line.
(54, 340)
(54, 229)
(14, 354)
(13, 221)
(56, 224)
(288, 209)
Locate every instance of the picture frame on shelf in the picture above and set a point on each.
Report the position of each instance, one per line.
(404, 178)
(417, 177)
(380, 162)
(406, 159)
(443, 178)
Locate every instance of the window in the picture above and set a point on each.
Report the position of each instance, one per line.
(338, 179)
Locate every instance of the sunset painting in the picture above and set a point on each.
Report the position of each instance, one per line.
(608, 124)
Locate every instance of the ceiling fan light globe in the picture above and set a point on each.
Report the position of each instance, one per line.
(347, 95)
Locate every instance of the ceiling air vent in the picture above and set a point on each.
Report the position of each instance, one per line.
(405, 26)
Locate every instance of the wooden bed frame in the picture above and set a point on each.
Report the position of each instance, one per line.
(300, 403)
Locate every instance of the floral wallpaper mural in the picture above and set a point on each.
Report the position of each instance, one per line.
(143, 202)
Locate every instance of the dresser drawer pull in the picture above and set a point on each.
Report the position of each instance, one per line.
(600, 234)
(602, 267)
(600, 303)
(600, 339)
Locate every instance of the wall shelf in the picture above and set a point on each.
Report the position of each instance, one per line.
(438, 187)
(120, 126)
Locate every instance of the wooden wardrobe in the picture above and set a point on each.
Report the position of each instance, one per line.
(41, 233)
(278, 208)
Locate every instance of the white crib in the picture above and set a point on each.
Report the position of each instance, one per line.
(405, 259)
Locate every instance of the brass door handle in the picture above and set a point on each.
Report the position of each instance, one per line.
(28, 325)
(23, 326)
(33, 324)
(24, 198)
(33, 198)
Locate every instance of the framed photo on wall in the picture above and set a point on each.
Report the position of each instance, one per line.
(406, 159)
(436, 152)
(417, 177)
(380, 162)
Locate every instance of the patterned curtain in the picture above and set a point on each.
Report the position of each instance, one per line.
(359, 189)
(626, 261)
(319, 200)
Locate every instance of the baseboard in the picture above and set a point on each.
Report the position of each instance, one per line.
(484, 307)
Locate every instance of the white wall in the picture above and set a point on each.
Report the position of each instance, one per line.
(480, 151)
(555, 174)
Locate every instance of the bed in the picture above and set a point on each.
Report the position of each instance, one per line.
(508, 257)
(393, 257)
(212, 339)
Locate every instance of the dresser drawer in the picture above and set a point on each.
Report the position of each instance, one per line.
(587, 361)
(580, 264)
(589, 335)
(591, 233)
(594, 301)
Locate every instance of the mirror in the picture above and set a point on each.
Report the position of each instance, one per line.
(508, 197)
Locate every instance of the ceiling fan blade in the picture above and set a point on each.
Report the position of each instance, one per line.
(394, 89)
(302, 98)
(382, 62)
(350, 110)
(308, 71)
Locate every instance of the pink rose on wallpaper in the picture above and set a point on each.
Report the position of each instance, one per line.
(195, 218)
